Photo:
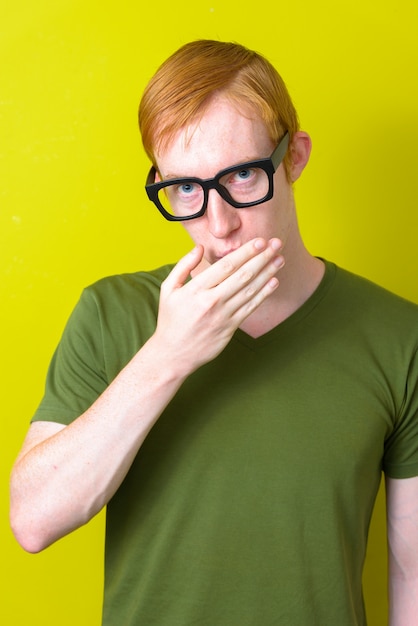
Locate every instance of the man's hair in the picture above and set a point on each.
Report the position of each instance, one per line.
(185, 84)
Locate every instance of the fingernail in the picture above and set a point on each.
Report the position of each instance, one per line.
(259, 244)
(276, 244)
(278, 261)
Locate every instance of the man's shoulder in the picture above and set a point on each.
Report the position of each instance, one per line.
(366, 287)
(130, 283)
(364, 297)
(121, 296)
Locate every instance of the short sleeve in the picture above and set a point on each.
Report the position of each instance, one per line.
(401, 449)
(76, 375)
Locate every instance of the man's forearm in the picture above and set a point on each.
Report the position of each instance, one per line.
(403, 602)
(62, 482)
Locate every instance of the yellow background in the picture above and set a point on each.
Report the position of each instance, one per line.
(72, 205)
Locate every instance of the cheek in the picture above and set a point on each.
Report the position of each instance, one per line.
(195, 231)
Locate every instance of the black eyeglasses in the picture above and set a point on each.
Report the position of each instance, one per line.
(243, 185)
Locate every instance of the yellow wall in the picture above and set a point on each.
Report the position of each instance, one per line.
(72, 206)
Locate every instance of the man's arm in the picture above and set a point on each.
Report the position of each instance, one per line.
(402, 522)
(65, 475)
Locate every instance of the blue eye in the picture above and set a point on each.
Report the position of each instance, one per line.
(244, 174)
(187, 188)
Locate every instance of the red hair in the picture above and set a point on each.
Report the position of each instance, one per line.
(182, 89)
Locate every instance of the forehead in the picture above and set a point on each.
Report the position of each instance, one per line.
(223, 136)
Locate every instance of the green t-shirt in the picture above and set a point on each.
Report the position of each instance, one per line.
(250, 500)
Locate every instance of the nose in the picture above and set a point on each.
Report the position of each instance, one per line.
(222, 218)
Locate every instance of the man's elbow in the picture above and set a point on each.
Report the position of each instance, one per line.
(28, 532)
(30, 541)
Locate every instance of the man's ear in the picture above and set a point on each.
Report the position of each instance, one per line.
(300, 150)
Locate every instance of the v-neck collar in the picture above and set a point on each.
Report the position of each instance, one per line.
(294, 318)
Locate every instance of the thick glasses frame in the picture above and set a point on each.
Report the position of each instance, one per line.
(269, 165)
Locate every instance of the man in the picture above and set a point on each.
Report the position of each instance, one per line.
(235, 411)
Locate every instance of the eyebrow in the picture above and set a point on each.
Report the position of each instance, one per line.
(171, 176)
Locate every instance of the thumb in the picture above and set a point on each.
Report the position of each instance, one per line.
(181, 271)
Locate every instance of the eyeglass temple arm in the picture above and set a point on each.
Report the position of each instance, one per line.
(280, 152)
(151, 176)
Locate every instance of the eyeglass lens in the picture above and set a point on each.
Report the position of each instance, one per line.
(187, 198)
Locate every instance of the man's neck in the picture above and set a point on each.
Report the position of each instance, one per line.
(299, 279)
